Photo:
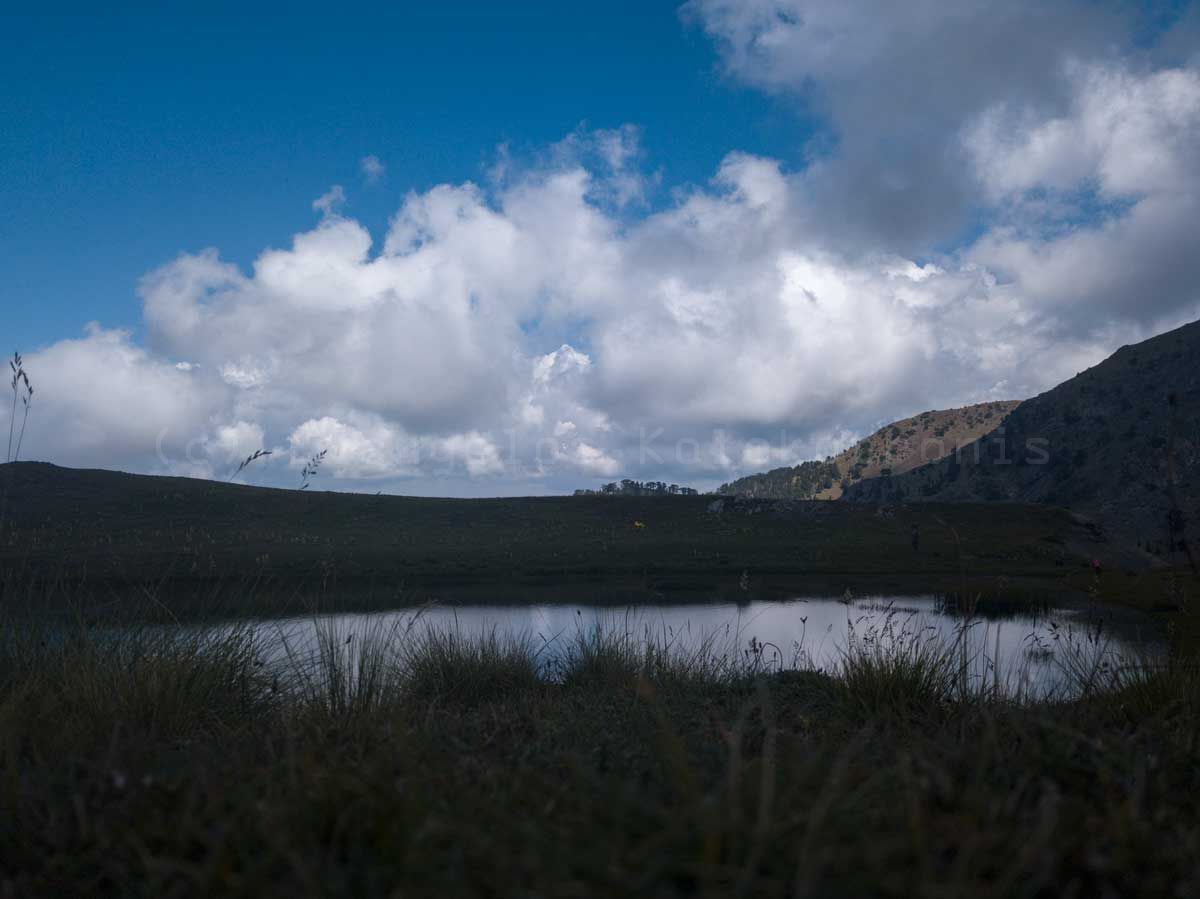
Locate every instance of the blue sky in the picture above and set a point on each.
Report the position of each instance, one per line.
(134, 133)
(668, 242)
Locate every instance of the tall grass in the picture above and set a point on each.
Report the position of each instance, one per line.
(898, 663)
(250, 459)
(621, 651)
(596, 655)
(446, 664)
(20, 379)
(899, 666)
(346, 673)
(311, 467)
(67, 678)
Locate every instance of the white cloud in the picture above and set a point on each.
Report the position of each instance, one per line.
(1128, 134)
(244, 375)
(559, 364)
(330, 202)
(594, 460)
(104, 401)
(475, 451)
(372, 169)
(1101, 200)
(712, 313)
(535, 332)
(236, 441)
(891, 84)
(368, 447)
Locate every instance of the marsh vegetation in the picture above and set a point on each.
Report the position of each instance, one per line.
(419, 757)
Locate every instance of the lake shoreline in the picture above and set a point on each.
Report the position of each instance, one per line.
(184, 767)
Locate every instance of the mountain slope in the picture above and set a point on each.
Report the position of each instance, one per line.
(896, 448)
(1098, 444)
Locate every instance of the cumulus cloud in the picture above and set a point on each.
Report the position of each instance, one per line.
(1127, 134)
(532, 333)
(364, 447)
(104, 401)
(593, 460)
(560, 363)
(1101, 201)
(475, 451)
(893, 83)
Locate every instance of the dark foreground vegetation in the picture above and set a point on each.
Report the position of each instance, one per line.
(421, 763)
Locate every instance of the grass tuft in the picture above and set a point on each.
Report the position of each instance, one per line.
(446, 664)
(347, 675)
(898, 667)
(600, 656)
(72, 682)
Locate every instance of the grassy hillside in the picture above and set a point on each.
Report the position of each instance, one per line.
(894, 449)
(117, 529)
(1102, 444)
(803, 481)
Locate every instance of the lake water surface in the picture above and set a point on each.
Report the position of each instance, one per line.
(1030, 652)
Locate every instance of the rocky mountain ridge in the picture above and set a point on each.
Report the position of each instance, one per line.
(1118, 443)
(894, 449)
